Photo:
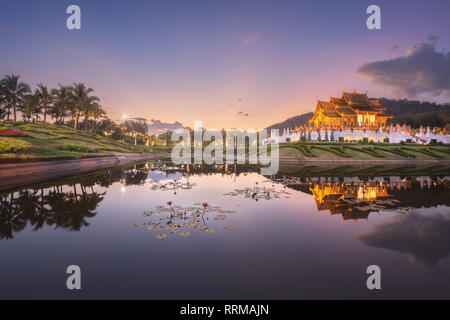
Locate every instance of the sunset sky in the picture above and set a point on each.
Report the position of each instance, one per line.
(217, 61)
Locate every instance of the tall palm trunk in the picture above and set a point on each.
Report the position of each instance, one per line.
(77, 117)
(86, 118)
(45, 115)
(14, 112)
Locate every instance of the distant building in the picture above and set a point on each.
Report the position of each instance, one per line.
(352, 110)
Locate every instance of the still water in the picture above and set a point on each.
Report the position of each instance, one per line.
(156, 231)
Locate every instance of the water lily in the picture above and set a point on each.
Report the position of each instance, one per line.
(140, 224)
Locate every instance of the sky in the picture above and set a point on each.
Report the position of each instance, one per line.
(233, 63)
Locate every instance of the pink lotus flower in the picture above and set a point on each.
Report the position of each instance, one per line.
(204, 204)
(169, 203)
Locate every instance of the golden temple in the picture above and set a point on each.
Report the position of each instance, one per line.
(352, 110)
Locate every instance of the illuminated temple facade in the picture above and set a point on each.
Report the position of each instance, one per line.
(352, 110)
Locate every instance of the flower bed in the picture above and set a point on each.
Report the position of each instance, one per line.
(13, 145)
(11, 133)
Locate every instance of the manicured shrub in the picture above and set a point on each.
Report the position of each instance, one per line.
(13, 145)
(74, 148)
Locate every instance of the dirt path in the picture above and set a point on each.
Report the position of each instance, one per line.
(17, 174)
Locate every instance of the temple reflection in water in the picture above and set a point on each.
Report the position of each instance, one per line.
(355, 199)
(71, 203)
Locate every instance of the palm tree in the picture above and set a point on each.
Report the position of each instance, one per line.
(98, 113)
(45, 99)
(14, 92)
(92, 110)
(81, 99)
(61, 97)
(30, 106)
(3, 110)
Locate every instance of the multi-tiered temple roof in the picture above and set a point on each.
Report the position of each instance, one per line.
(352, 109)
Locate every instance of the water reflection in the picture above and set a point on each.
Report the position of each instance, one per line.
(259, 193)
(58, 206)
(355, 199)
(424, 236)
(70, 203)
(65, 204)
(279, 236)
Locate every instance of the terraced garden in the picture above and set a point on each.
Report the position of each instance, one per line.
(363, 151)
(53, 142)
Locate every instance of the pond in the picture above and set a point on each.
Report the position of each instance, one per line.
(153, 230)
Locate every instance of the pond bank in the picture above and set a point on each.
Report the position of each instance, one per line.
(17, 174)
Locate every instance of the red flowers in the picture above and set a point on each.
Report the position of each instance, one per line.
(169, 203)
(12, 133)
(204, 204)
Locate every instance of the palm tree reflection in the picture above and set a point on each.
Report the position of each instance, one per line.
(57, 206)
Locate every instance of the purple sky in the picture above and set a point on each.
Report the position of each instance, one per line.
(219, 60)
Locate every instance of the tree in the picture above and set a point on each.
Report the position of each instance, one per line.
(106, 125)
(81, 98)
(332, 136)
(3, 110)
(44, 98)
(117, 133)
(14, 92)
(30, 106)
(98, 113)
(61, 103)
(92, 110)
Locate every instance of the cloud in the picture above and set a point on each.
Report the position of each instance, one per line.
(422, 70)
(250, 39)
(432, 38)
(424, 236)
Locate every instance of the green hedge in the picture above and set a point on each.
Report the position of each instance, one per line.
(74, 148)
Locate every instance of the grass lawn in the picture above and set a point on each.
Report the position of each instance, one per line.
(362, 151)
(63, 143)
